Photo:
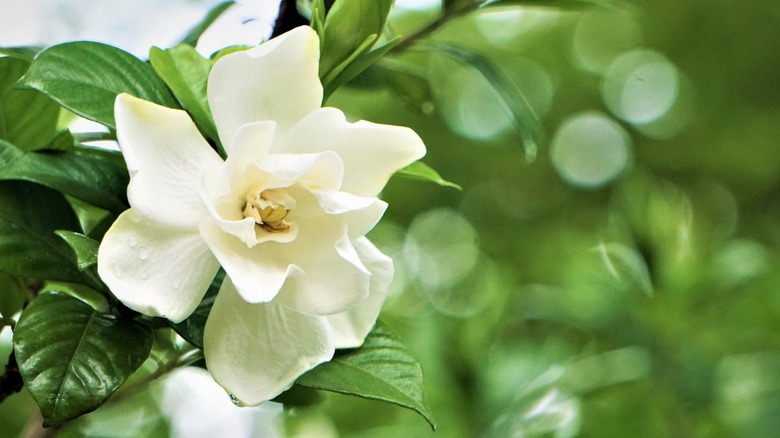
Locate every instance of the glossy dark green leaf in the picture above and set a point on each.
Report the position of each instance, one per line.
(382, 369)
(85, 248)
(72, 357)
(194, 35)
(191, 329)
(93, 179)
(28, 118)
(186, 73)
(348, 25)
(85, 77)
(29, 216)
(423, 172)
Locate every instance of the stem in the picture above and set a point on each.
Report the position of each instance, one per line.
(443, 19)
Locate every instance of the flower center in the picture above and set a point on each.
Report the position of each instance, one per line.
(269, 208)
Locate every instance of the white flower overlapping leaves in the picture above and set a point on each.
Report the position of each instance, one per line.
(285, 215)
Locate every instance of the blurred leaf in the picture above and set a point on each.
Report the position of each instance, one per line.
(566, 4)
(28, 118)
(411, 86)
(450, 6)
(186, 73)
(299, 397)
(348, 30)
(86, 249)
(525, 120)
(29, 216)
(196, 32)
(85, 77)
(94, 180)
(382, 369)
(625, 264)
(72, 357)
(140, 416)
(422, 172)
(26, 53)
(191, 329)
(352, 67)
(11, 295)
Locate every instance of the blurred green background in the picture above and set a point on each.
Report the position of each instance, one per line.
(625, 282)
(620, 279)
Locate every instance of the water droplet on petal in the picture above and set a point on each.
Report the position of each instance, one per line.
(117, 272)
(176, 284)
(143, 253)
(236, 401)
(132, 242)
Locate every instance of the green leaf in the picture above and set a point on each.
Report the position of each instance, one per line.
(28, 118)
(29, 216)
(352, 67)
(186, 73)
(26, 53)
(62, 141)
(11, 295)
(85, 77)
(382, 369)
(85, 248)
(348, 25)
(423, 172)
(93, 179)
(196, 32)
(317, 21)
(524, 118)
(191, 329)
(73, 358)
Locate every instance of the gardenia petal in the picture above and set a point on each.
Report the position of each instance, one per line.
(155, 270)
(251, 144)
(277, 81)
(350, 328)
(371, 153)
(257, 273)
(256, 351)
(166, 156)
(361, 214)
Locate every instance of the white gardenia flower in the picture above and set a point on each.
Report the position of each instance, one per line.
(285, 215)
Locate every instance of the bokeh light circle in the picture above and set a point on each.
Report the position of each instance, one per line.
(640, 86)
(590, 149)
